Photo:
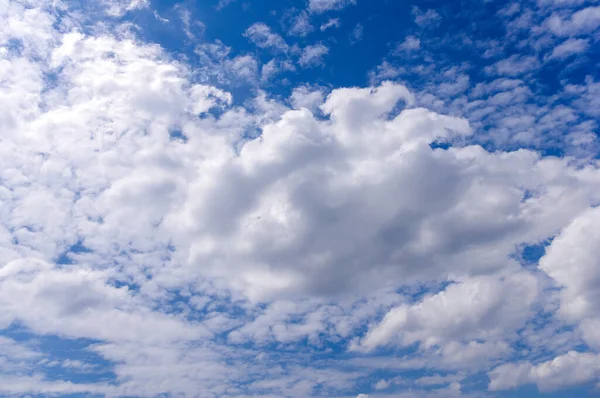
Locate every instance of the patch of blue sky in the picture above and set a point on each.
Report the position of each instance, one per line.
(460, 40)
(63, 359)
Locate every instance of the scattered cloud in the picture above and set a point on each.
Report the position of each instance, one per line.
(312, 55)
(258, 233)
(261, 35)
(515, 65)
(307, 97)
(331, 23)
(223, 3)
(274, 67)
(320, 6)
(569, 47)
(410, 43)
(191, 27)
(570, 369)
(159, 18)
(426, 18)
(301, 25)
(357, 34)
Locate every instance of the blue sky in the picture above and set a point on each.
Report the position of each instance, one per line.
(299, 198)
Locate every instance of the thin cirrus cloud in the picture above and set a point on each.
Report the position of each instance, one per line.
(161, 236)
(320, 6)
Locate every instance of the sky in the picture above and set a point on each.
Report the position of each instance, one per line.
(299, 198)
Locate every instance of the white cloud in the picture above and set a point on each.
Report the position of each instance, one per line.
(485, 308)
(587, 96)
(331, 23)
(320, 6)
(570, 369)
(301, 25)
(381, 385)
(269, 70)
(306, 97)
(357, 33)
(410, 43)
(118, 8)
(569, 47)
(437, 380)
(17, 358)
(385, 71)
(243, 67)
(312, 55)
(425, 19)
(217, 66)
(159, 18)
(36, 384)
(191, 27)
(261, 35)
(223, 3)
(514, 65)
(279, 218)
(584, 21)
(165, 216)
(80, 304)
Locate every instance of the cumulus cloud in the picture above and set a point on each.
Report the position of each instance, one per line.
(312, 55)
(357, 34)
(426, 18)
(183, 233)
(570, 369)
(307, 97)
(119, 7)
(477, 309)
(80, 304)
(571, 260)
(514, 65)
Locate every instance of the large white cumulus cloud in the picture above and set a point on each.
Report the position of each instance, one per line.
(361, 200)
(122, 180)
(572, 260)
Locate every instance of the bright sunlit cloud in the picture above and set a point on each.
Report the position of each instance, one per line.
(324, 198)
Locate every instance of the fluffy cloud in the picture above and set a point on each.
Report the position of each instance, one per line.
(580, 22)
(312, 55)
(426, 18)
(301, 25)
(80, 304)
(307, 97)
(477, 309)
(572, 261)
(183, 233)
(270, 217)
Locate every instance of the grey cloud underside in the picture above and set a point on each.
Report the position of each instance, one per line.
(118, 188)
